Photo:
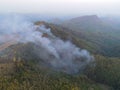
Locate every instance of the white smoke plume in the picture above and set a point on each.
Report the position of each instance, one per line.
(61, 55)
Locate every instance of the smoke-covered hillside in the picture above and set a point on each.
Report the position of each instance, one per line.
(51, 49)
(44, 56)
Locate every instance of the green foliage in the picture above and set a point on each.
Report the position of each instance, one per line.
(106, 70)
(28, 77)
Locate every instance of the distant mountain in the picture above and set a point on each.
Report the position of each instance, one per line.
(87, 23)
(113, 21)
(87, 19)
(102, 35)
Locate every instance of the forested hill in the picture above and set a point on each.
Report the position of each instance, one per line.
(24, 69)
(97, 32)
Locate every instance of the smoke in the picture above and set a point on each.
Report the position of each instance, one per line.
(59, 54)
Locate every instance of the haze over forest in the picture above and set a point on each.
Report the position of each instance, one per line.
(59, 45)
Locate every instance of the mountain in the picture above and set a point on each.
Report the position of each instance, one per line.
(113, 21)
(27, 69)
(23, 63)
(90, 23)
(97, 32)
(86, 21)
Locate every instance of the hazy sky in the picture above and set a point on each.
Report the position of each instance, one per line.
(61, 7)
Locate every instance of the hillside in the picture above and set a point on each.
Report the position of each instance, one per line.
(102, 36)
(104, 64)
(25, 71)
(24, 68)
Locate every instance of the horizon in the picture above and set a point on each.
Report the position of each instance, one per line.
(62, 7)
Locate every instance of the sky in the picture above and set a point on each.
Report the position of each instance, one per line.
(61, 7)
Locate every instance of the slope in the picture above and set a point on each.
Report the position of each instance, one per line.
(99, 34)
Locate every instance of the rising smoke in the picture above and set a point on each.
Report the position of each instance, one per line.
(59, 54)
